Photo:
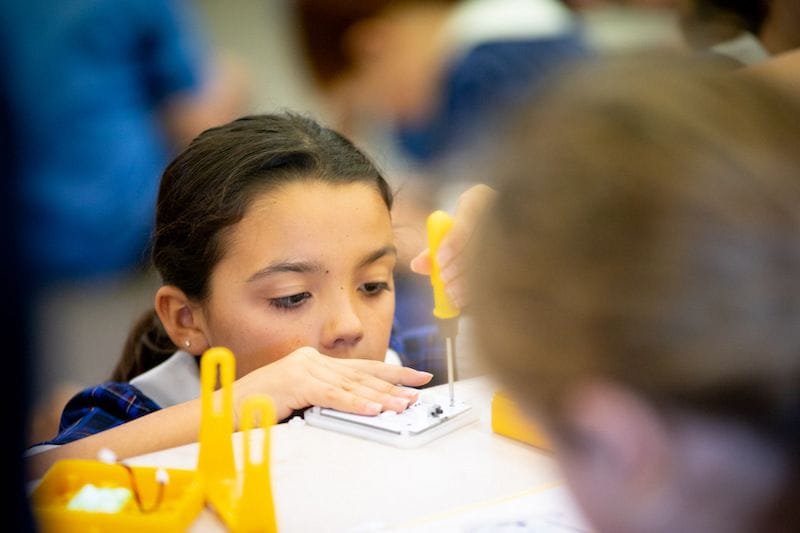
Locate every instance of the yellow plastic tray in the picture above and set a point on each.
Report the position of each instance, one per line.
(243, 502)
(180, 505)
(509, 421)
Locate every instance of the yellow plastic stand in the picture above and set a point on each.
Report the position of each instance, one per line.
(181, 502)
(256, 509)
(509, 421)
(243, 502)
(215, 459)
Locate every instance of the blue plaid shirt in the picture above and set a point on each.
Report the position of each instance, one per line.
(101, 407)
(111, 404)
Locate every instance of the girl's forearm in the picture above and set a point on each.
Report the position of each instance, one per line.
(166, 428)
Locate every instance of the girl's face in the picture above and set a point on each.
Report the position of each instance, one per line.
(310, 264)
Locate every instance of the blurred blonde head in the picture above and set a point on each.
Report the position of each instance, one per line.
(638, 291)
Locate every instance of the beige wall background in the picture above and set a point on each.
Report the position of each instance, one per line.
(259, 32)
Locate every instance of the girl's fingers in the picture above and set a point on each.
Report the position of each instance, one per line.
(377, 381)
(366, 386)
(399, 375)
(329, 395)
(354, 385)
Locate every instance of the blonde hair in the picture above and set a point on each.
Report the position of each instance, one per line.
(647, 231)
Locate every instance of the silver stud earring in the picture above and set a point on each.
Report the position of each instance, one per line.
(187, 343)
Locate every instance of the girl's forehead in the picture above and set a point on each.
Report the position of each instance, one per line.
(307, 218)
(317, 193)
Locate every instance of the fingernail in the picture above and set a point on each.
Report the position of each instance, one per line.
(427, 374)
(400, 403)
(374, 407)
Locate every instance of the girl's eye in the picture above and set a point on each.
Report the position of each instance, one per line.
(374, 288)
(290, 302)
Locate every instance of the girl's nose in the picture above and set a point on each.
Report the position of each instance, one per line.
(343, 329)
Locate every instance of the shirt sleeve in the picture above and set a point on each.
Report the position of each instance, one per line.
(101, 407)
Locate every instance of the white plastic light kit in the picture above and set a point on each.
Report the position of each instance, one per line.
(420, 423)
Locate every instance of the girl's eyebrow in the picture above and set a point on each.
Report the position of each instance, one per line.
(302, 267)
(377, 254)
(311, 267)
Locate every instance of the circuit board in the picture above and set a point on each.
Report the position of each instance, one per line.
(420, 423)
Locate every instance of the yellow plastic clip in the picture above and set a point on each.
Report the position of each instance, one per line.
(244, 503)
(256, 508)
(215, 461)
(439, 224)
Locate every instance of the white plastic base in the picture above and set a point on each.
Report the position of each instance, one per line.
(421, 423)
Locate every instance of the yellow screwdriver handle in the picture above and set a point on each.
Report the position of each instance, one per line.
(439, 224)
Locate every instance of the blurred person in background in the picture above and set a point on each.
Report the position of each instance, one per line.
(639, 295)
(101, 93)
(613, 26)
(422, 82)
(435, 71)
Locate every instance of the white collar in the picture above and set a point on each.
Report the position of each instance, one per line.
(174, 381)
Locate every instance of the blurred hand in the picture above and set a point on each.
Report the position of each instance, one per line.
(453, 261)
(306, 377)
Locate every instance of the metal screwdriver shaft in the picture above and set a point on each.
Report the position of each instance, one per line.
(450, 379)
(439, 224)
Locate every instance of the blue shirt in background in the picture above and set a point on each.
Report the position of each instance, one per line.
(480, 88)
(497, 53)
(86, 80)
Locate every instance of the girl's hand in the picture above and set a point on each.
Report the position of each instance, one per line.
(306, 377)
(453, 261)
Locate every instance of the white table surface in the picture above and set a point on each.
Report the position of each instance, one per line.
(326, 481)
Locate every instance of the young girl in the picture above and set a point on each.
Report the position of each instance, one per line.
(273, 238)
(639, 293)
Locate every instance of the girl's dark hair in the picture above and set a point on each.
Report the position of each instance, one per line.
(208, 188)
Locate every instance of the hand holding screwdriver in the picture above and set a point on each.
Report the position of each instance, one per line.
(439, 224)
(451, 253)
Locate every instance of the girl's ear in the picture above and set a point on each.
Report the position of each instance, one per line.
(615, 451)
(183, 320)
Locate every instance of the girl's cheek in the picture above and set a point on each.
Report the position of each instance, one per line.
(295, 344)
